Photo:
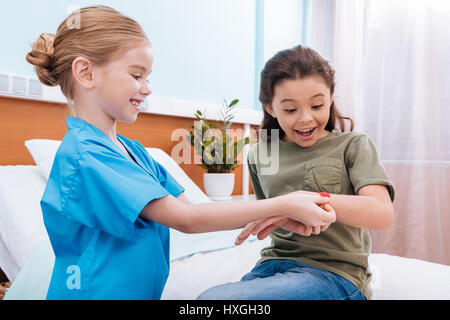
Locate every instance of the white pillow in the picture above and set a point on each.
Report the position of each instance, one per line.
(43, 152)
(181, 244)
(192, 191)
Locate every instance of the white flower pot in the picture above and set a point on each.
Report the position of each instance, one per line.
(218, 186)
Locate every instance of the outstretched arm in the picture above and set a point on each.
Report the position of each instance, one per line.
(206, 217)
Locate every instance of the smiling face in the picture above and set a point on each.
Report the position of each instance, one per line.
(122, 83)
(302, 109)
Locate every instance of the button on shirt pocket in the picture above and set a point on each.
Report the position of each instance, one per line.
(324, 174)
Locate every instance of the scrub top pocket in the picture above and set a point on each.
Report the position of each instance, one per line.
(324, 175)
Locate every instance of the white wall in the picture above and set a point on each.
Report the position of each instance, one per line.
(283, 25)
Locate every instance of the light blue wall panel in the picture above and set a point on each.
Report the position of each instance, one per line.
(204, 49)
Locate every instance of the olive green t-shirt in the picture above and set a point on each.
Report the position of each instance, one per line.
(340, 163)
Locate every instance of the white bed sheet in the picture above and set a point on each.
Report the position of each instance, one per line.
(21, 225)
(7, 263)
(394, 277)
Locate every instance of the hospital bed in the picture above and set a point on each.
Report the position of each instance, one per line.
(198, 261)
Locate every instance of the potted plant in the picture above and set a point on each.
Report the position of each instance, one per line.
(214, 142)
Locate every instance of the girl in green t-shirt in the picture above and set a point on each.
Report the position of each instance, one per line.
(304, 132)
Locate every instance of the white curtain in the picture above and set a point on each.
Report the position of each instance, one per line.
(392, 61)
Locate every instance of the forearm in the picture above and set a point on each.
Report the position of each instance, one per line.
(362, 211)
(207, 217)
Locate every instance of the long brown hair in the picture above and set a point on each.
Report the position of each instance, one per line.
(297, 63)
(99, 34)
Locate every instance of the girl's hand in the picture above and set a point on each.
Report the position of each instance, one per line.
(264, 227)
(308, 208)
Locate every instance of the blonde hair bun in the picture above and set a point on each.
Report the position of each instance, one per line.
(100, 35)
(41, 56)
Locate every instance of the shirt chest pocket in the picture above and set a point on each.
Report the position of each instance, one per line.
(324, 175)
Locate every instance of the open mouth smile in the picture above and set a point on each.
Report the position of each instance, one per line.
(306, 133)
(137, 104)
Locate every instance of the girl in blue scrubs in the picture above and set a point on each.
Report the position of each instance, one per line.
(107, 205)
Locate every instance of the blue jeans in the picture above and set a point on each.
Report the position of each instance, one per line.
(285, 280)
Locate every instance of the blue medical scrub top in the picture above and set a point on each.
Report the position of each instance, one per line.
(91, 205)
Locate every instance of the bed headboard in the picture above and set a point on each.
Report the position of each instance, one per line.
(23, 119)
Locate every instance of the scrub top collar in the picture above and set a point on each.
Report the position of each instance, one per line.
(82, 124)
(76, 123)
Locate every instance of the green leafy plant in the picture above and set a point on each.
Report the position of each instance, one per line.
(213, 143)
